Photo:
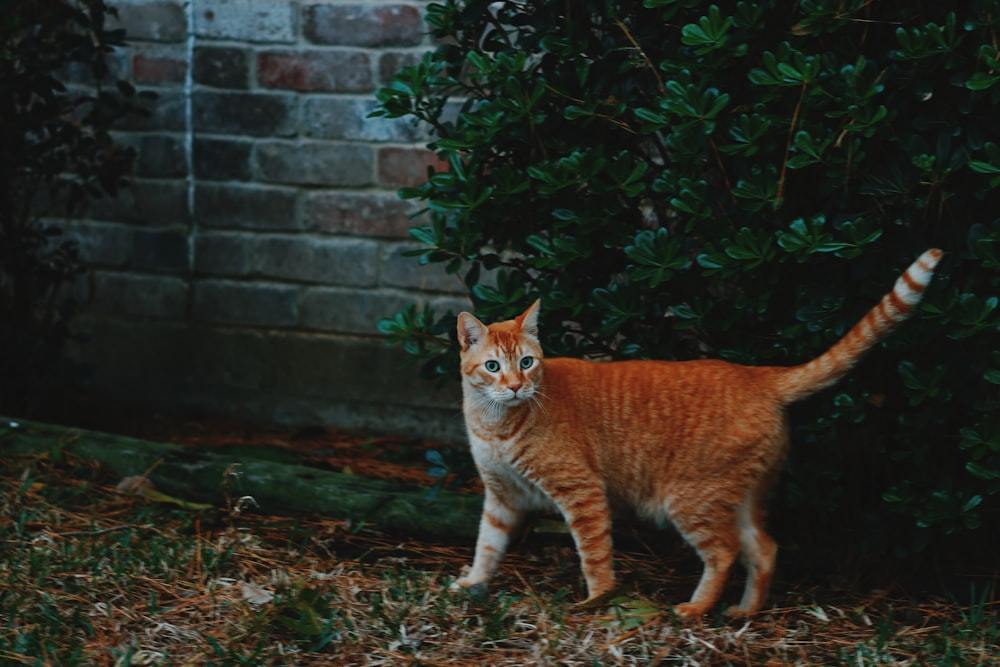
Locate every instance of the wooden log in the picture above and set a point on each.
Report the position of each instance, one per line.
(206, 476)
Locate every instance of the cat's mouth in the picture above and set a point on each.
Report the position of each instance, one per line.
(511, 400)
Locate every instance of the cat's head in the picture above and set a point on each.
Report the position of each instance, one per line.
(502, 362)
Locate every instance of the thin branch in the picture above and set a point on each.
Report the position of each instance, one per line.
(645, 58)
(788, 146)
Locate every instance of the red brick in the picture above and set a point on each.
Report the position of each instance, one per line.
(147, 69)
(363, 25)
(406, 167)
(389, 64)
(359, 213)
(257, 114)
(222, 67)
(315, 163)
(245, 21)
(336, 71)
(155, 21)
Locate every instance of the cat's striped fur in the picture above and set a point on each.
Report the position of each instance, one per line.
(696, 443)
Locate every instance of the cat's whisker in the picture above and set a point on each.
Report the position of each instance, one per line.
(492, 408)
(535, 402)
(497, 408)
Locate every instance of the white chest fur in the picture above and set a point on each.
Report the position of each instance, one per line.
(492, 459)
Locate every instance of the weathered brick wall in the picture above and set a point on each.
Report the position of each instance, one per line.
(244, 271)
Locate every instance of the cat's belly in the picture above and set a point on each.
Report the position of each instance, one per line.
(653, 511)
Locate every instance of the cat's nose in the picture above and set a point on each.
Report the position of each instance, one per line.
(514, 388)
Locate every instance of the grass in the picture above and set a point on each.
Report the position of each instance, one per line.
(92, 576)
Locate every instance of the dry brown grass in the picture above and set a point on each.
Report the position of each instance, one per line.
(91, 576)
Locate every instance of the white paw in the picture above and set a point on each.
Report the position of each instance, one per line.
(476, 590)
(462, 582)
(459, 584)
(690, 610)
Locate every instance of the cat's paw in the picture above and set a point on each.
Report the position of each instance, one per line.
(690, 610)
(476, 590)
(600, 599)
(737, 611)
(464, 581)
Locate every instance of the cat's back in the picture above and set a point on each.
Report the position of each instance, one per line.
(623, 391)
(645, 422)
(700, 376)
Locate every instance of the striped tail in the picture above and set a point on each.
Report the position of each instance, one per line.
(797, 382)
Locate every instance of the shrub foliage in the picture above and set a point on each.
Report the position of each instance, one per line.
(679, 179)
(56, 152)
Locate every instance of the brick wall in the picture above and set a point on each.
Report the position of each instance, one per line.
(244, 271)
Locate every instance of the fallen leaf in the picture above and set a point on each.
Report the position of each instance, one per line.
(254, 594)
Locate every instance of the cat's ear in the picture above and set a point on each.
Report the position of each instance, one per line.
(470, 331)
(528, 320)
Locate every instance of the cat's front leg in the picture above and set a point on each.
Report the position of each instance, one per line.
(497, 523)
(589, 518)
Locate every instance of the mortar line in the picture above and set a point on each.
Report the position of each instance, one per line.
(189, 137)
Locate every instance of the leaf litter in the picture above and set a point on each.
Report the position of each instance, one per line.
(93, 575)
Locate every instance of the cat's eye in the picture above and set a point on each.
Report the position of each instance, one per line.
(527, 362)
(492, 365)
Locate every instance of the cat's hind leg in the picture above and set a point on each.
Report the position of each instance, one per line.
(758, 550)
(758, 553)
(718, 546)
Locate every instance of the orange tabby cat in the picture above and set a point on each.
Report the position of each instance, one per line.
(696, 443)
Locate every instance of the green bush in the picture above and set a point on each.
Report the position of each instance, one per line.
(678, 179)
(56, 152)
